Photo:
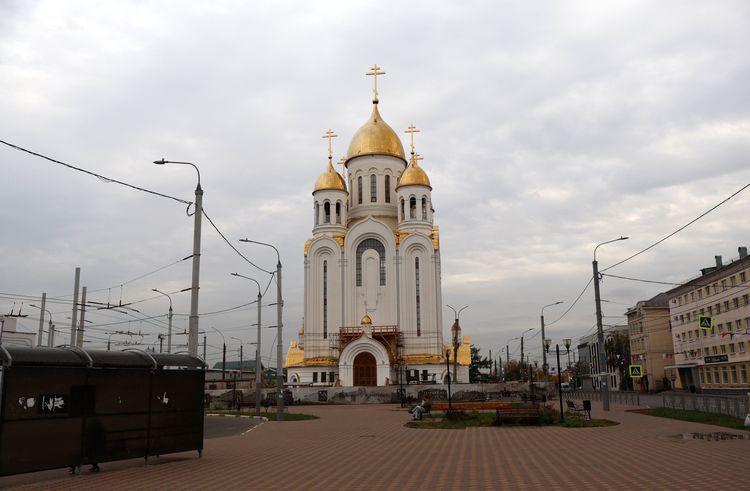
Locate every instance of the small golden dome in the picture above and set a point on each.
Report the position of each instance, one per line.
(366, 321)
(301, 331)
(375, 137)
(330, 179)
(414, 175)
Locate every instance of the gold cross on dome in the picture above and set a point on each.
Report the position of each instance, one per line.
(411, 130)
(375, 72)
(330, 135)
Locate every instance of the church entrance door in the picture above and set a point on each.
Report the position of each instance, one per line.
(365, 370)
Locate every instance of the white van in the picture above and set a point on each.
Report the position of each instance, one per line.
(565, 386)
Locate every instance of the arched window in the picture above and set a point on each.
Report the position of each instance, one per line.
(387, 189)
(377, 246)
(412, 207)
(402, 208)
(338, 212)
(416, 280)
(317, 213)
(359, 190)
(424, 208)
(373, 188)
(326, 212)
(325, 299)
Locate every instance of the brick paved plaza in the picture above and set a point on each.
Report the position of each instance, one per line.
(367, 447)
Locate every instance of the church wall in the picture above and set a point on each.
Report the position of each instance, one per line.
(321, 250)
(430, 339)
(365, 166)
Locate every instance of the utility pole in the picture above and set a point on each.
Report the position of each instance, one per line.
(223, 361)
(75, 307)
(79, 337)
(507, 359)
(522, 367)
(41, 318)
(204, 348)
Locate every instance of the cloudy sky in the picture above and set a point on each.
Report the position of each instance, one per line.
(547, 128)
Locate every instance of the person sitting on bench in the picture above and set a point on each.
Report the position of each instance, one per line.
(420, 409)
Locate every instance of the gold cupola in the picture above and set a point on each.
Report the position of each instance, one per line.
(366, 321)
(330, 179)
(375, 137)
(414, 175)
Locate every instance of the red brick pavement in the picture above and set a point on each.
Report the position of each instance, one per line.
(367, 447)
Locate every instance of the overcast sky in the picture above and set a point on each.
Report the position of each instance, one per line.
(546, 128)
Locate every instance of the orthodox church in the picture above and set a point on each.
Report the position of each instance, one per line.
(373, 303)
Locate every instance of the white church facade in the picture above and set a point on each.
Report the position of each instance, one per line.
(372, 302)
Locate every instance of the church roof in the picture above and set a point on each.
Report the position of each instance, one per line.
(330, 179)
(375, 137)
(414, 175)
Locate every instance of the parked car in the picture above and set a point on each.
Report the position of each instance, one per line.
(565, 386)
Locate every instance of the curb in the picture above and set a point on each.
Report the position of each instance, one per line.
(263, 418)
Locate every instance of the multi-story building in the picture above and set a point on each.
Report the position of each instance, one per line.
(588, 351)
(716, 358)
(650, 341)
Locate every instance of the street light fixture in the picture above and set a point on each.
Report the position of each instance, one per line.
(600, 329)
(169, 329)
(456, 334)
(567, 342)
(279, 333)
(223, 354)
(547, 343)
(258, 371)
(193, 322)
(545, 367)
(523, 369)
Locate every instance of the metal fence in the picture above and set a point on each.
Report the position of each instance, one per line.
(736, 406)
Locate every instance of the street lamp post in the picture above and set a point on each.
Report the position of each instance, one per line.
(547, 343)
(448, 366)
(223, 354)
(566, 342)
(545, 367)
(279, 333)
(169, 329)
(193, 322)
(456, 333)
(600, 329)
(258, 371)
(522, 365)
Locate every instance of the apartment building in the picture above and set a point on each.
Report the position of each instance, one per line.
(715, 359)
(650, 341)
(588, 351)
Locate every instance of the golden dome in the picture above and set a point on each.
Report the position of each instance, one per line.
(366, 321)
(414, 175)
(375, 137)
(330, 179)
(301, 331)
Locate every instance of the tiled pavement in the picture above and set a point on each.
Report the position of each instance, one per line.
(367, 447)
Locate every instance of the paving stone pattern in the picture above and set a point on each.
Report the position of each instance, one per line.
(367, 447)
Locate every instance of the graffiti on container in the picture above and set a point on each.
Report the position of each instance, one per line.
(53, 403)
(26, 402)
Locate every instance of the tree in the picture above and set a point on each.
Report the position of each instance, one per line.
(617, 349)
(477, 364)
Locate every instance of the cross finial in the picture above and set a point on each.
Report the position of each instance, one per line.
(330, 135)
(411, 130)
(418, 157)
(375, 72)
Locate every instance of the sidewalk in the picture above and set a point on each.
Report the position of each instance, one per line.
(367, 447)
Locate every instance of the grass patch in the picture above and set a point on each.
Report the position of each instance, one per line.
(694, 417)
(460, 421)
(271, 416)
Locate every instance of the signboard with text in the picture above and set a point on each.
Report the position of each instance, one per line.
(716, 359)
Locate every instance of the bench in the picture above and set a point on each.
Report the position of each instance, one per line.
(573, 408)
(472, 406)
(530, 414)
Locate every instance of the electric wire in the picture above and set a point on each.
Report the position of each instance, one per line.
(231, 245)
(99, 176)
(679, 229)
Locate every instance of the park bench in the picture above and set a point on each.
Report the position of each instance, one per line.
(530, 414)
(471, 406)
(575, 409)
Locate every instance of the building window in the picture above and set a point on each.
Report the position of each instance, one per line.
(317, 213)
(700, 294)
(745, 299)
(402, 209)
(323, 377)
(705, 351)
(736, 302)
(738, 325)
(726, 305)
(359, 190)
(724, 379)
(723, 286)
(717, 308)
(326, 212)
(373, 188)
(387, 189)
(412, 207)
(708, 376)
(723, 349)
(742, 346)
(315, 377)
(377, 246)
(733, 280)
(743, 374)
(743, 278)
(416, 280)
(708, 290)
(714, 350)
(325, 300)
(731, 348)
(716, 375)
(424, 208)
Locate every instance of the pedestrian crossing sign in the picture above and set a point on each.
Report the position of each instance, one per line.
(705, 322)
(636, 371)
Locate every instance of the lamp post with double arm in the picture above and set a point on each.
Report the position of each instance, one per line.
(545, 367)
(258, 371)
